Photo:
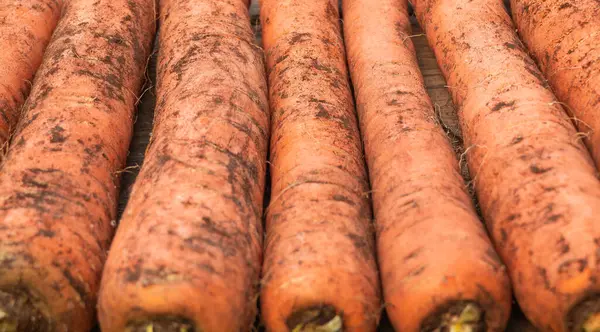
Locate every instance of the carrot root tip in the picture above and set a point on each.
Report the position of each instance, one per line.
(162, 324)
(316, 319)
(585, 316)
(18, 312)
(457, 317)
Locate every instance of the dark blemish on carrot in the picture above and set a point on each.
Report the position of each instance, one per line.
(502, 105)
(361, 244)
(133, 275)
(29, 181)
(539, 170)
(57, 135)
(342, 198)
(553, 218)
(323, 113)
(572, 266)
(317, 65)
(512, 217)
(300, 37)
(544, 276)
(565, 6)
(46, 233)
(517, 140)
(563, 245)
(416, 271)
(503, 235)
(76, 284)
(413, 254)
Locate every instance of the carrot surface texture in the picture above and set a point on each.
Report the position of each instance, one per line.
(319, 272)
(187, 253)
(25, 30)
(438, 267)
(535, 180)
(59, 180)
(564, 38)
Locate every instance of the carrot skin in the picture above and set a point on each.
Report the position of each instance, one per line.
(535, 180)
(563, 38)
(58, 183)
(319, 263)
(189, 246)
(433, 251)
(25, 30)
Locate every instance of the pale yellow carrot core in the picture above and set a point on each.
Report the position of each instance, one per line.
(468, 320)
(592, 324)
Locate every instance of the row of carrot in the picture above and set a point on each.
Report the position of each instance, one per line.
(189, 252)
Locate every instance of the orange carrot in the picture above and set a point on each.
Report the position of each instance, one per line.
(564, 38)
(535, 180)
(58, 183)
(187, 253)
(438, 268)
(25, 29)
(319, 272)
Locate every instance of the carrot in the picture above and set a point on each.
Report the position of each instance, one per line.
(188, 250)
(25, 30)
(438, 267)
(319, 272)
(534, 178)
(58, 183)
(563, 37)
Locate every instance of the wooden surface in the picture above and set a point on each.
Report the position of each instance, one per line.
(436, 87)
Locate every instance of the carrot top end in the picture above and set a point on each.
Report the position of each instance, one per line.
(162, 324)
(19, 312)
(468, 321)
(592, 324)
(316, 319)
(585, 315)
(456, 316)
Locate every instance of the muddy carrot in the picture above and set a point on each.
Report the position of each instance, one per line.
(319, 272)
(563, 36)
(439, 270)
(58, 183)
(25, 30)
(187, 253)
(535, 180)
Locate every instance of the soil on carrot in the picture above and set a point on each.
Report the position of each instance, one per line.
(19, 313)
(162, 324)
(437, 90)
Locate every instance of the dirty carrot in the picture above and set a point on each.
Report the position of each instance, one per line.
(438, 267)
(319, 272)
(535, 180)
(564, 38)
(58, 183)
(25, 30)
(187, 253)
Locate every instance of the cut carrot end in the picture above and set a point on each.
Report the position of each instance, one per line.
(592, 324)
(469, 320)
(161, 324)
(585, 316)
(317, 319)
(19, 313)
(459, 316)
